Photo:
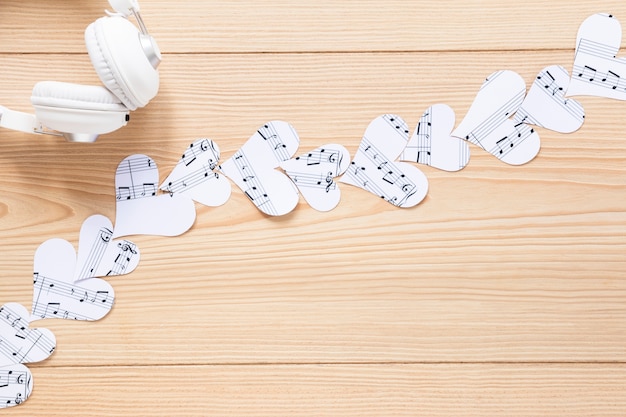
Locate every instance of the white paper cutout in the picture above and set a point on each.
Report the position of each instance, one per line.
(597, 72)
(314, 173)
(55, 295)
(99, 255)
(194, 175)
(431, 142)
(488, 124)
(16, 384)
(253, 168)
(545, 104)
(18, 342)
(373, 167)
(141, 210)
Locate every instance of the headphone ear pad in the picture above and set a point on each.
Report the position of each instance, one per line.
(78, 109)
(115, 50)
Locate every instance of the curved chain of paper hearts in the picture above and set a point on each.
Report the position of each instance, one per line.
(501, 129)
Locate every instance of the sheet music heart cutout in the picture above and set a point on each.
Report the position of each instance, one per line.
(374, 168)
(545, 104)
(16, 384)
(431, 142)
(18, 342)
(55, 295)
(488, 122)
(194, 175)
(314, 173)
(141, 209)
(99, 255)
(253, 168)
(597, 71)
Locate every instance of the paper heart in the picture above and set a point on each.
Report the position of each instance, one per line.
(55, 295)
(99, 255)
(373, 167)
(18, 342)
(545, 104)
(431, 143)
(253, 168)
(597, 72)
(16, 384)
(314, 172)
(488, 124)
(194, 176)
(141, 209)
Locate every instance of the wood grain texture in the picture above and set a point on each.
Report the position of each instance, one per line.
(502, 293)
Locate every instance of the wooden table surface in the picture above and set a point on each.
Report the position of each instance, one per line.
(502, 294)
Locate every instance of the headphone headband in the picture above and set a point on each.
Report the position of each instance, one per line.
(125, 7)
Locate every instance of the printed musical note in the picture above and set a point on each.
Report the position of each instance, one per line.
(597, 71)
(546, 105)
(194, 175)
(18, 342)
(314, 173)
(132, 175)
(488, 120)
(55, 295)
(253, 168)
(374, 168)
(431, 143)
(16, 385)
(141, 209)
(99, 255)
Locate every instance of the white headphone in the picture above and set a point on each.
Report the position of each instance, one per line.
(126, 60)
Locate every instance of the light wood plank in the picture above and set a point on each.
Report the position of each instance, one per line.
(331, 390)
(292, 26)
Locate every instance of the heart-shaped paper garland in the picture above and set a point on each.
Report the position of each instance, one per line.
(55, 295)
(194, 175)
(16, 384)
(597, 43)
(19, 343)
(597, 72)
(488, 122)
(141, 209)
(253, 168)
(314, 173)
(431, 142)
(99, 255)
(374, 168)
(545, 104)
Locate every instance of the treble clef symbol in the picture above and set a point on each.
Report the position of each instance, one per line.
(329, 181)
(105, 234)
(126, 248)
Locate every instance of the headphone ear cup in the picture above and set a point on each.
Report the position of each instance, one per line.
(80, 112)
(115, 50)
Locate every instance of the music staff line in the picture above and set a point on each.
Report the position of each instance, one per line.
(96, 253)
(609, 80)
(199, 147)
(253, 187)
(387, 171)
(35, 339)
(271, 137)
(44, 285)
(132, 192)
(197, 177)
(138, 164)
(398, 125)
(490, 124)
(502, 147)
(313, 180)
(572, 107)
